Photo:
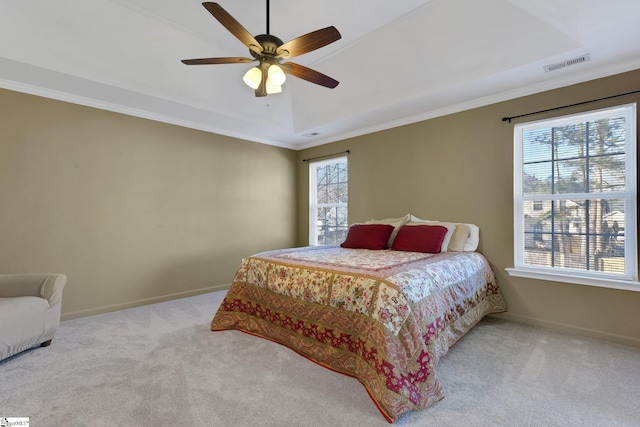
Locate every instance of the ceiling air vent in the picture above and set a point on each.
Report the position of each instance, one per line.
(568, 62)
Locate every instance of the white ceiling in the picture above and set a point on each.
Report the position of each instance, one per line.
(397, 62)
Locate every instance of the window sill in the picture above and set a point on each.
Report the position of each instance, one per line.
(627, 285)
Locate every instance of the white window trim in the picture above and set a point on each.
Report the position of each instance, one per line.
(628, 281)
(629, 285)
(313, 185)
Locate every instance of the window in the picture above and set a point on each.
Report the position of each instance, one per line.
(575, 198)
(328, 194)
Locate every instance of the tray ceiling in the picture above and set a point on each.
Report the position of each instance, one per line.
(397, 62)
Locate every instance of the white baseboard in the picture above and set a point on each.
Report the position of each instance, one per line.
(572, 329)
(141, 302)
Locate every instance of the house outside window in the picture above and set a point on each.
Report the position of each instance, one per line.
(328, 197)
(575, 198)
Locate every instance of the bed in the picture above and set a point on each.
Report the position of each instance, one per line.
(384, 317)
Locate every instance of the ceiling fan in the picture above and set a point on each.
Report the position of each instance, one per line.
(269, 51)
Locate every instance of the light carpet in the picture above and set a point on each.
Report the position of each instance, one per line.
(160, 365)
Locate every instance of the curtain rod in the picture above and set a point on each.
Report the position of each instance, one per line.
(326, 155)
(508, 119)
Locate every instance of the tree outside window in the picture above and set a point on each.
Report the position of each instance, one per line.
(328, 191)
(575, 193)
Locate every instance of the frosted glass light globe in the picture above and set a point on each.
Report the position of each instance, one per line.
(276, 75)
(253, 77)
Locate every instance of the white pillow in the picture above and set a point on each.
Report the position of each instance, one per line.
(396, 222)
(474, 238)
(451, 228)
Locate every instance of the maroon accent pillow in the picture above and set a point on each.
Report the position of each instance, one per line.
(368, 236)
(420, 238)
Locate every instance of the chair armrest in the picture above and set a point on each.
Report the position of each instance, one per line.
(52, 288)
(48, 286)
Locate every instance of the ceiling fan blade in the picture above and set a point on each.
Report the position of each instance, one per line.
(230, 60)
(234, 27)
(308, 42)
(309, 75)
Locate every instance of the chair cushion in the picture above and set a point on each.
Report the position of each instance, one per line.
(22, 307)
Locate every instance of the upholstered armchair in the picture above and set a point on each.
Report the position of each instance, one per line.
(29, 310)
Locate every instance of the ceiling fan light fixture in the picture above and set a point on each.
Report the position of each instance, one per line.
(269, 50)
(253, 77)
(276, 76)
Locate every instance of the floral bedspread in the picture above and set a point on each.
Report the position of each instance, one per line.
(384, 317)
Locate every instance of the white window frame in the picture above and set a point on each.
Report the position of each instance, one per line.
(628, 280)
(313, 206)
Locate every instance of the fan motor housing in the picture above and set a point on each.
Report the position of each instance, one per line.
(269, 43)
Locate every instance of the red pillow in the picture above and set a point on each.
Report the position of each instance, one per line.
(420, 238)
(368, 236)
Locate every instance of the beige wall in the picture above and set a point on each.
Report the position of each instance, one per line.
(460, 168)
(132, 210)
(136, 211)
